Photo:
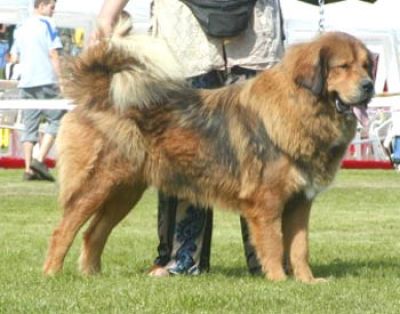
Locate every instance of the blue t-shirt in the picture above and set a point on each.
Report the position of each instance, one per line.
(34, 40)
(3, 53)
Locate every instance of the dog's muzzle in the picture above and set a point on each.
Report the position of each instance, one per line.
(359, 109)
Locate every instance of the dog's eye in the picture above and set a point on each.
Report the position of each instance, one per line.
(344, 66)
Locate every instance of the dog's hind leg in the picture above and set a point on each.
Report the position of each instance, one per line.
(295, 233)
(266, 236)
(114, 210)
(63, 236)
(87, 199)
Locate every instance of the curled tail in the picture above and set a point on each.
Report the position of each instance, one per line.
(122, 71)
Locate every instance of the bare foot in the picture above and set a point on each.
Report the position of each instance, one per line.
(158, 271)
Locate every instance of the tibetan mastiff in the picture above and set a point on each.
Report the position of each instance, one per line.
(264, 148)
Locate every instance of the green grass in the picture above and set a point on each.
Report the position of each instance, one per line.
(355, 232)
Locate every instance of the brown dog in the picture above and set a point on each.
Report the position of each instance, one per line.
(264, 148)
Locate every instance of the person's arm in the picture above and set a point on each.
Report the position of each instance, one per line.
(14, 52)
(13, 58)
(55, 61)
(109, 13)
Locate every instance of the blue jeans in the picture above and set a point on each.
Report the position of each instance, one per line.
(396, 150)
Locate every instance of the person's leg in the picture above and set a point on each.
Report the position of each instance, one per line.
(53, 118)
(185, 230)
(45, 145)
(166, 226)
(192, 227)
(30, 134)
(204, 263)
(28, 150)
(396, 150)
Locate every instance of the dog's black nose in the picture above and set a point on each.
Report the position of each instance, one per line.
(367, 86)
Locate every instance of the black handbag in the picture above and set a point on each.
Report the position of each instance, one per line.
(222, 18)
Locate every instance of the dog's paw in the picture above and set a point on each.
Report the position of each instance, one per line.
(319, 280)
(50, 271)
(276, 276)
(312, 280)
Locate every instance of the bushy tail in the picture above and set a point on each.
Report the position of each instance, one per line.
(122, 71)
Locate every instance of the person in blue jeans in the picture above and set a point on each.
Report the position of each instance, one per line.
(185, 229)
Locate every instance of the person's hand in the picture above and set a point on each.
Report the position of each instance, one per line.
(103, 29)
(106, 19)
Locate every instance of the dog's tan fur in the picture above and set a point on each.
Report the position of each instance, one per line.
(264, 148)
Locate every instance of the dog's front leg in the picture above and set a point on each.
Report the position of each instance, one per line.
(295, 232)
(266, 236)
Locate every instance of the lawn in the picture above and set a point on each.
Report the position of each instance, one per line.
(355, 232)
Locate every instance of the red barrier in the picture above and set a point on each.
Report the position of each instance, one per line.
(18, 163)
(366, 164)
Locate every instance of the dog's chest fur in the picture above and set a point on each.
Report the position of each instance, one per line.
(319, 171)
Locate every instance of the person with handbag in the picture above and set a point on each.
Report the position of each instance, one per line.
(217, 43)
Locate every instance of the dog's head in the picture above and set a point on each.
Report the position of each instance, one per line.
(336, 67)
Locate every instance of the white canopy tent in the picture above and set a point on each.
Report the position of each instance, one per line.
(74, 13)
(377, 24)
(351, 13)
(347, 13)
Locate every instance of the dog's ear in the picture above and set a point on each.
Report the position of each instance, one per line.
(373, 59)
(311, 71)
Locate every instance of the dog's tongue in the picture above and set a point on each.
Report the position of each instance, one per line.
(362, 115)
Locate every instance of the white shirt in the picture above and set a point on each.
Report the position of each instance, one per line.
(257, 48)
(34, 40)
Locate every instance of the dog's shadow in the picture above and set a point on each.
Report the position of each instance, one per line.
(233, 272)
(334, 269)
(357, 268)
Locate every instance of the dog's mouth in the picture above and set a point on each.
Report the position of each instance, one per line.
(359, 110)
